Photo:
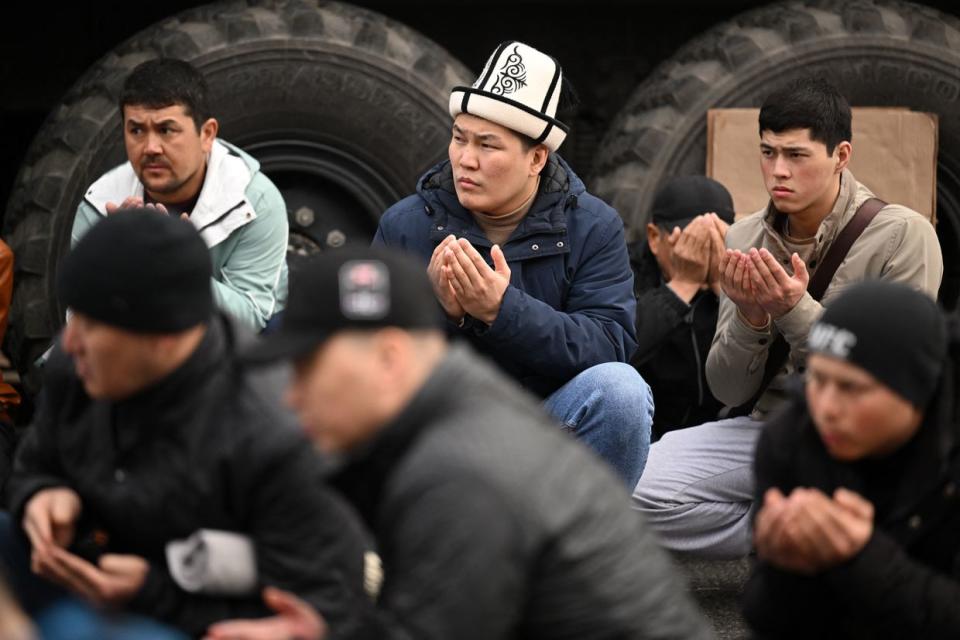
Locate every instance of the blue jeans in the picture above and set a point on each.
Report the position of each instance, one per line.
(71, 619)
(33, 592)
(609, 408)
(57, 614)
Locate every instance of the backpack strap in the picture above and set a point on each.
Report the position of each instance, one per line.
(841, 246)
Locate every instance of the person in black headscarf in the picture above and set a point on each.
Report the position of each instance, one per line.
(677, 287)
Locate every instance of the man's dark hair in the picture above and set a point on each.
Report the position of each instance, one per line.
(808, 103)
(526, 142)
(164, 82)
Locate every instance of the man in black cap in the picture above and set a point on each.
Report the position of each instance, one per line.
(858, 527)
(678, 287)
(491, 523)
(153, 454)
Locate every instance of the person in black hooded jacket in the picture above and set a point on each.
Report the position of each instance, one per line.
(858, 532)
(677, 288)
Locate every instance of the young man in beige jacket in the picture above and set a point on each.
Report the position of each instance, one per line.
(697, 488)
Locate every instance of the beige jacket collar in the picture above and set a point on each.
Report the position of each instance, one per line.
(843, 210)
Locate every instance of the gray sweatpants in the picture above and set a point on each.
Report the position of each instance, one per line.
(697, 488)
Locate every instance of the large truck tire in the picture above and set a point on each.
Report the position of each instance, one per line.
(879, 53)
(343, 107)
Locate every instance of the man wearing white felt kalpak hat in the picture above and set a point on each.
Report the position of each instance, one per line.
(528, 266)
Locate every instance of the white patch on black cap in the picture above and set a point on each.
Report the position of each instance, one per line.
(831, 340)
(364, 290)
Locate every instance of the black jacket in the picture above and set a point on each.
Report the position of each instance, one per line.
(673, 342)
(492, 523)
(206, 447)
(905, 583)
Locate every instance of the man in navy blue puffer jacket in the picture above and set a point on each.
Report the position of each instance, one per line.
(527, 265)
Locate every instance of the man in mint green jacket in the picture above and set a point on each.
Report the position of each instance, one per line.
(176, 163)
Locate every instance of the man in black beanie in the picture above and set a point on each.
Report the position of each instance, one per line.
(678, 287)
(154, 457)
(858, 527)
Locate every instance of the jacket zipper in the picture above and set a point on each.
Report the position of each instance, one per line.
(696, 351)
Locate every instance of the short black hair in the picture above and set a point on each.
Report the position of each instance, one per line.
(809, 103)
(526, 142)
(164, 82)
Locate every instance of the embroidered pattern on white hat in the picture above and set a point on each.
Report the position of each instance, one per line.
(512, 76)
